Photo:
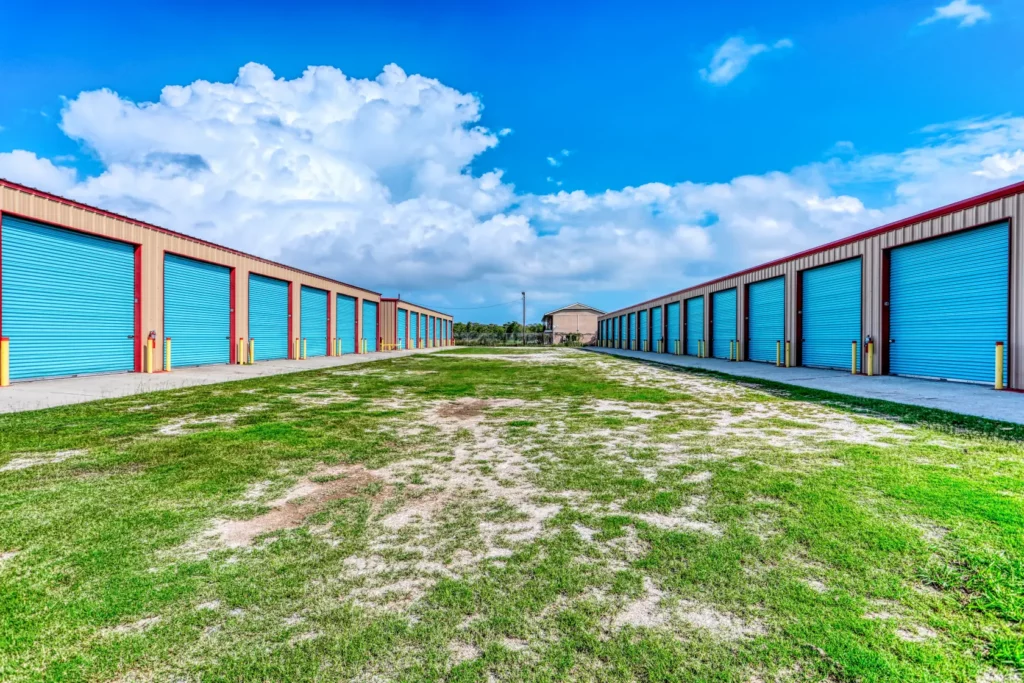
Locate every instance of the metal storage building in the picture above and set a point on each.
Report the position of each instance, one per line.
(399, 320)
(932, 295)
(83, 290)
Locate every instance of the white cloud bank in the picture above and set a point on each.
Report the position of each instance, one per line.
(369, 181)
(733, 57)
(968, 14)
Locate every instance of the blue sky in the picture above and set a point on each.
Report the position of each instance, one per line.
(839, 105)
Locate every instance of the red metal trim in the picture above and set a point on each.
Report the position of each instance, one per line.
(291, 321)
(745, 340)
(796, 347)
(883, 342)
(358, 326)
(970, 202)
(232, 323)
(2, 274)
(109, 214)
(330, 295)
(138, 309)
(709, 316)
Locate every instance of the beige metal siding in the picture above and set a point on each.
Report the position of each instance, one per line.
(388, 321)
(870, 249)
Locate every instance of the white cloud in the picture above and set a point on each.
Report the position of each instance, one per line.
(505, 131)
(733, 56)
(968, 14)
(369, 181)
(43, 174)
(552, 161)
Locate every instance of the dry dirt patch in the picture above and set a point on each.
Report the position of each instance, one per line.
(32, 459)
(291, 510)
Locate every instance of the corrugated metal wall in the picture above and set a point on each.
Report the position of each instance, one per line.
(153, 242)
(871, 247)
(389, 321)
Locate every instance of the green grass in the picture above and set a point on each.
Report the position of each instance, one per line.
(592, 519)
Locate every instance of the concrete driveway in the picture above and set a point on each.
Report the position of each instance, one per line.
(47, 393)
(957, 397)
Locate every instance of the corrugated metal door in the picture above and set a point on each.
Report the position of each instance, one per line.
(830, 306)
(197, 311)
(268, 317)
(370, 325)
(657, 333)
(632, 330)
(313, 321)
(414, 325)
(402, 313)
(433, 331)
(766, 327)
(694, 324)
(623, 332)
(949, 305)
(642, 334)
(423, 329)
(60, 283)
(345, 322)
(672, 325)
(723, 322)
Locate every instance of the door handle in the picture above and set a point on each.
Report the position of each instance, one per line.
(892, 341)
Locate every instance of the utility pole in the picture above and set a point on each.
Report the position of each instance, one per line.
(524, 318)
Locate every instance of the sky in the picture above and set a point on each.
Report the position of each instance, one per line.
(459, 154)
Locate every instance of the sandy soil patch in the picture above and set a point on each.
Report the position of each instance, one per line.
(27, 460)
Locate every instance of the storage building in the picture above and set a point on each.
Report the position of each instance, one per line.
(400, 322)
(932, 296)
(84, 290)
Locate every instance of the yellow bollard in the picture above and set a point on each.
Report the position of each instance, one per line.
(788, 355)
(295, 349)
(239, 353)
(252, 351)
(147, 363)
(167, 355)
(999, 365)
(778, 353)
(853, 358)
(5, 362)
(303, 348)
(871, 358)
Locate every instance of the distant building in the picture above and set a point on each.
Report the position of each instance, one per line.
(576, 322)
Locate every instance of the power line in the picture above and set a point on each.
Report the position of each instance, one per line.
(478, 308)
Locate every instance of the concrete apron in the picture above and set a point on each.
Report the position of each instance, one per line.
(967, 399)
(48, 393)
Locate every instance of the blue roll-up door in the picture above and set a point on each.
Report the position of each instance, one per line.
(433, 330)
(672, 325)
(694, 324)
(401, 326)
(723, 322)
(313, 321)
(949, 305)
(345, 322)
(657, 331)
(423, 329)
(830, 314)
(767, 324)
(632, 329)
(65, 284)
(623, 332)
(268, 317)
(642, 332)
(370, 325)
(197, 311)
(414, 326)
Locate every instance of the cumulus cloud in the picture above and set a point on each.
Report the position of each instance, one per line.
(733, 56)
(370, 181)
(961, 10)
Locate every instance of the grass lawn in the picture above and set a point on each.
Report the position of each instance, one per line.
(491, 515)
